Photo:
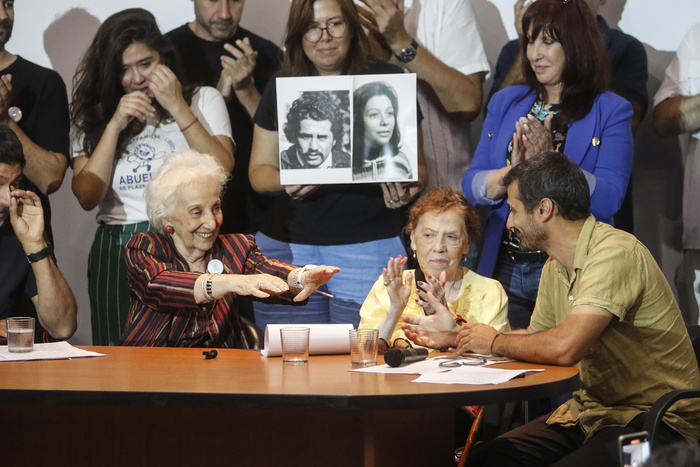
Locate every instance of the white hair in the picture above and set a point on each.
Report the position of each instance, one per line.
(177, 172)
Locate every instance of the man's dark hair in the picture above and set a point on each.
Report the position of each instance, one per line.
(552, 175)
(318, 106)
(11, 152)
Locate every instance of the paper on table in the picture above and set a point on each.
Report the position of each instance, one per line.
(472, 375)
(50, 351)
(323, 339)
(431, 365)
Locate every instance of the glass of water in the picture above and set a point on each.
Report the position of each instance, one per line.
(20, 334)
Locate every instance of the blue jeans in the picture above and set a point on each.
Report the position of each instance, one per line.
(360, 264)
(521, 282)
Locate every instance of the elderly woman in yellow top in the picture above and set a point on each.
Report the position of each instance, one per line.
(442, 225)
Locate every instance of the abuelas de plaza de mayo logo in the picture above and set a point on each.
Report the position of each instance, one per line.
(144, 157)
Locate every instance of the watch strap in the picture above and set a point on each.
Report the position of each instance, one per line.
(41, 254)
(408, 53)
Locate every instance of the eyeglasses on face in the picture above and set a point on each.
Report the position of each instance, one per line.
(336, 29)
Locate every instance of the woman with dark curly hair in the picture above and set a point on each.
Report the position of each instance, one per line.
(442, 225)
(376, 138)
(129, 111)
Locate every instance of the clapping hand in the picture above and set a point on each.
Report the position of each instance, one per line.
(237, 70)
(531, 138)
(398, 287)
(434, 286)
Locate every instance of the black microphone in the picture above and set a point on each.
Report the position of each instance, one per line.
(397, 357)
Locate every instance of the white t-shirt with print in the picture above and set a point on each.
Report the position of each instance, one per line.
(143, 157)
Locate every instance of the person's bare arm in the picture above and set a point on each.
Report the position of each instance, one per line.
(264, 168)
(564, 345)
(44, 168)
(677, 115)
(55, 304)
(458, 93)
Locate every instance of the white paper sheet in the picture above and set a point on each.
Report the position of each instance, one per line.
(50, 351)
(471, 375)
(431, 365)
(323, 339)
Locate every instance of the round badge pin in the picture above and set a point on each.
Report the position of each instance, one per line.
(215, 267)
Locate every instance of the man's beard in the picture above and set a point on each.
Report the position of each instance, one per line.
(532, 239)
(7, 26)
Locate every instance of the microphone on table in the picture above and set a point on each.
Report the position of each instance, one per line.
(397, 357)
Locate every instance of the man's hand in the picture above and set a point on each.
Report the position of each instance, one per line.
(237, 71)
(475, 337)
(519, 10)
(386, 21)
(436, 331)
(27, 218)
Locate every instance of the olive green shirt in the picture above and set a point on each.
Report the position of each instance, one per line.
(644, 352)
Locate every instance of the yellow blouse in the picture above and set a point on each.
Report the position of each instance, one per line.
(480, 300)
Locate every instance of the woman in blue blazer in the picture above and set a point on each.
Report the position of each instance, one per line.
(564, 106)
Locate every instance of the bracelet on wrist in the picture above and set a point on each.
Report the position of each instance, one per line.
(196, 119)
(492, 342)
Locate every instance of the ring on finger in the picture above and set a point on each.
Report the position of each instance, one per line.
(260, 285)
(395, 200)
(391, 201)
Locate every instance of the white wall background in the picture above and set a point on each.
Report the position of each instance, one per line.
(54, 33)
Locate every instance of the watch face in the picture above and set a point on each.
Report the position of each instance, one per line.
(408, 53)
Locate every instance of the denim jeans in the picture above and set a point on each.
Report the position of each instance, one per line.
(521, 281)
(360, 264)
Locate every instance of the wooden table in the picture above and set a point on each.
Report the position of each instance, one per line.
(158, 406)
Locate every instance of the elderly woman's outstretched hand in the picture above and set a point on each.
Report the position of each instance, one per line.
(313, 279)
(258, 285)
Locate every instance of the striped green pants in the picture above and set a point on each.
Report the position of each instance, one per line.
(107, 284)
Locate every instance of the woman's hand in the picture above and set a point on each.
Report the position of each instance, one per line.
(166, 88)
(434, 286)
(531, 138)
(133, 105)
(258, 285)
(313, 279)
(300, 192)
(398, 289)
(398, 194)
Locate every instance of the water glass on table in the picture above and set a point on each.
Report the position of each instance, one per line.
(20, 334)
(363, 347)
(295, 345)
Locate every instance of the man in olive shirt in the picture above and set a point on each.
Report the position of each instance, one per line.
(604, 306)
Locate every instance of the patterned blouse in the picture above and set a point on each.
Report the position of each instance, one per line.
(163, 311)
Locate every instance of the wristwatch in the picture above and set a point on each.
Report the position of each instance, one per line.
(39, 255)
(408, 53)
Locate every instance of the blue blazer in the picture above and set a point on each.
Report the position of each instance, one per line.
(600, 143)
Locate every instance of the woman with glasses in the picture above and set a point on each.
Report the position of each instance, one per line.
(565, 106)
(442, 226)
(351, 226)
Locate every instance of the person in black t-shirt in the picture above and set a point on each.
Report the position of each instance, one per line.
(217, 52)
(37, 99)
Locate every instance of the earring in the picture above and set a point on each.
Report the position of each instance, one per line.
(414, 254)
(169, 229)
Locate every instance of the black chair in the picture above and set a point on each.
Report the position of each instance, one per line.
(657, 411)
(252, 334)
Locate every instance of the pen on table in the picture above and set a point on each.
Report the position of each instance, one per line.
(325, 294)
